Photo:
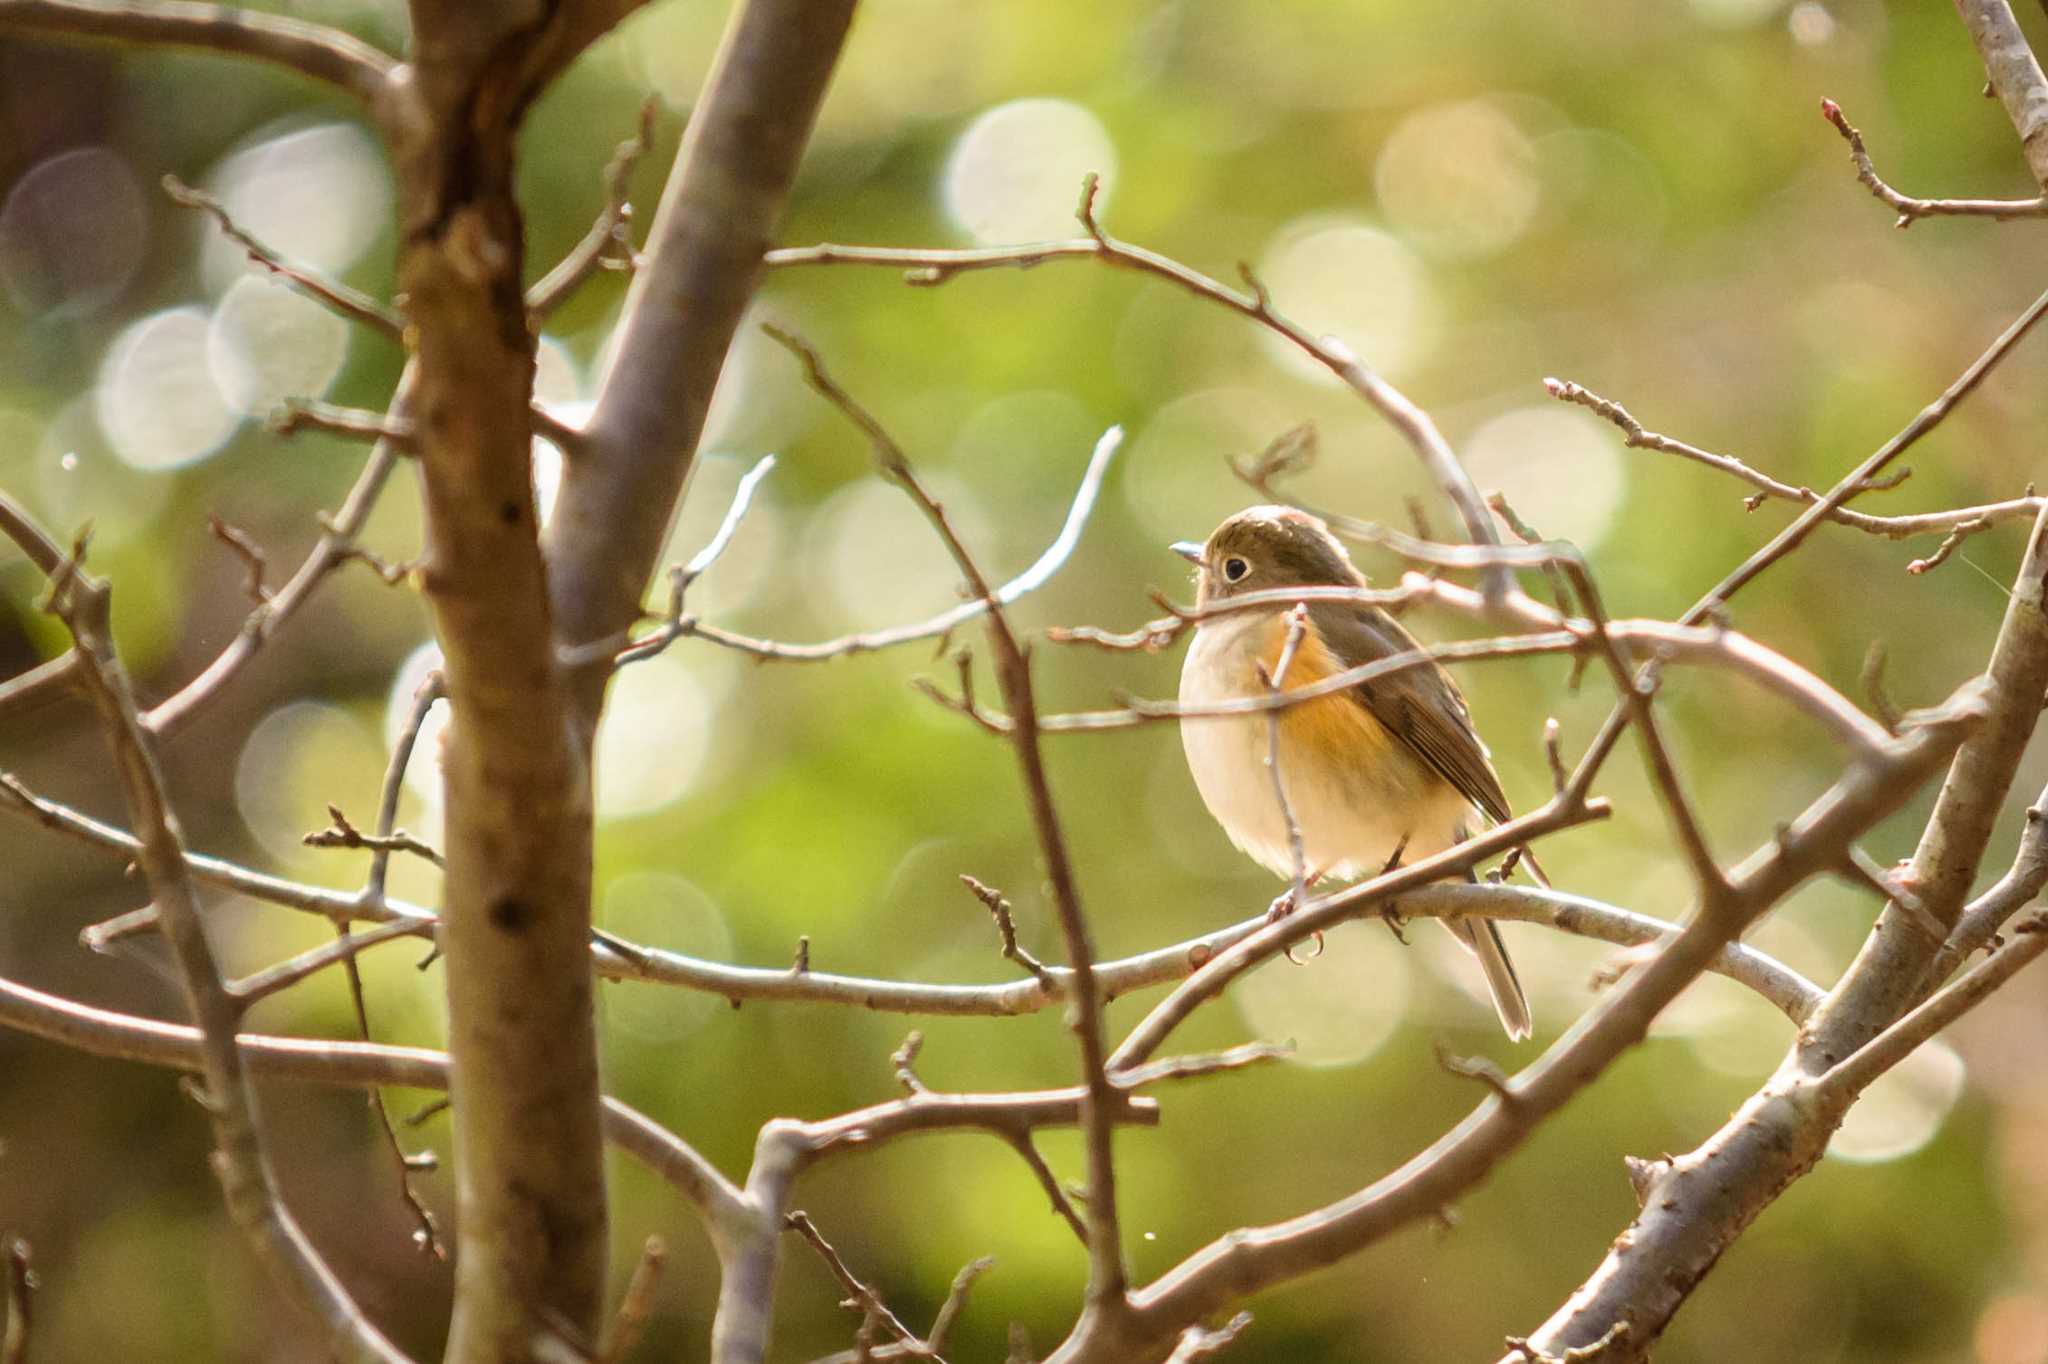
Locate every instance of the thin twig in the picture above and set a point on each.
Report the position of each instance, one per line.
(342, 834)
(860, 1297)
(679, 625)
(83, 605)
(1297, 627)
(315, 51)
(250, 553)
(1910, 209)
(1784, 988)
(1107, 1275)
(1890, 527)
(608, 243)
(933, 267)
(334, 548)
(349, 303)
(1006, 929)
(432, 689)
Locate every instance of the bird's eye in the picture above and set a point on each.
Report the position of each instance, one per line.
(1235, 568)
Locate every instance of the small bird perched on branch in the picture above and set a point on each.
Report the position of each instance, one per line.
(1388, 769)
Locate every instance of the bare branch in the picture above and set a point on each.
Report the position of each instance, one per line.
(1886, 976)
(315, 52)
(1980, 921)
(1891, 527)
(339, 298)
(239, 1159)
(334, 548)
(1783, 987)
(1107, 1274)
(1249, 1259)
(930, 267)
(702, 262)
(860, 1297)
(2015, 76)
(609, 241)
(681, 626)
(349, 1065)
(1911, 209)
(1940, 1009)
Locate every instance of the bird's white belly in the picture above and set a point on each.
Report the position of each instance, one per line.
(1354, 808)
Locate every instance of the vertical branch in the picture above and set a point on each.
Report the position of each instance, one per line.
(1888, 974)
(515, 925)
(1108, 1279)
(238, 1159)
(700, 269)
(2015, 76)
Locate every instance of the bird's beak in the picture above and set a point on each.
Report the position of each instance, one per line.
(1187, 549)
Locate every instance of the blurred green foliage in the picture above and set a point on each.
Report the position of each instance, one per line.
(1651, 206)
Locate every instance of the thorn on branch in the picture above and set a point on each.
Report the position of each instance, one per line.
(802, 964)
(1644, 1174)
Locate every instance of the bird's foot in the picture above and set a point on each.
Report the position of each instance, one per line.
(1282, 906)
(1395, 920)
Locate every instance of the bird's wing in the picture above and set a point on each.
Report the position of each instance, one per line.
(1421, 706)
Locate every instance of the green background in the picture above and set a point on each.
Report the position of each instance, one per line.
(1682, 233)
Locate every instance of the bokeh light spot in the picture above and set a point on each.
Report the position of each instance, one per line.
(654, 739)
(1558, 468)
(663, 910)
(72, 233)
(1459, 180)
(1338, 1008)
(423, 772)
(155, 395)
(877, 561)
(1339, 277)
(266, 344)
(1015, 174)
(2013, 1330)
(297, 760)
(1903, 1109)
(318, 196)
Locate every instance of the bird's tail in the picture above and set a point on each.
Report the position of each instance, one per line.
(1502, 983)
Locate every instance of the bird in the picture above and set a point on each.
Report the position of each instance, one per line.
(1389, 769)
